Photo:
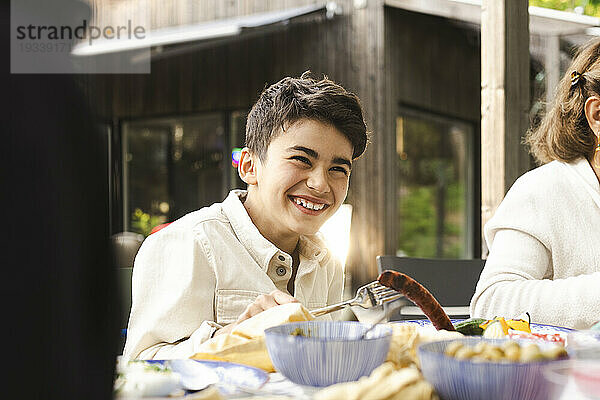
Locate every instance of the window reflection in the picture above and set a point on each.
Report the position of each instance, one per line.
(173, 166)
(434, 187)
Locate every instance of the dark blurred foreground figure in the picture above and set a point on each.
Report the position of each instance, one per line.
(544, 238)
(60, 319)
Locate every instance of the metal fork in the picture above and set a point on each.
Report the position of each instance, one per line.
(370, 295)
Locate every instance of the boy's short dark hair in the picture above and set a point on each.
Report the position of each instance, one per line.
(292, 99)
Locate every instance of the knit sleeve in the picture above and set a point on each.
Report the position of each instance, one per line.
(516, 279)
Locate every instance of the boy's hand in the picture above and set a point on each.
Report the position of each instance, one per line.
(262, 303)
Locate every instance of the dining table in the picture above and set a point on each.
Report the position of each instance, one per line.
(243, 381)
(281, 388)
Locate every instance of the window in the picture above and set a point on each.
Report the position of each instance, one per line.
(238, 138)
(172, 166)
(434, 170)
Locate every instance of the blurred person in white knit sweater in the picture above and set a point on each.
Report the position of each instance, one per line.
(544, 239)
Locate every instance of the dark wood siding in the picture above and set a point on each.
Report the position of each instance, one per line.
(434, 63)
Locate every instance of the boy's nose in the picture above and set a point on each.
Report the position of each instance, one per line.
(317, 180)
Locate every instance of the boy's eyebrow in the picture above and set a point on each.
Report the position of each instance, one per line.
(341, 160)
(314, 154)
(306, 150)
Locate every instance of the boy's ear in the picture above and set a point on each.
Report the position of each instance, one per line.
(247, 166)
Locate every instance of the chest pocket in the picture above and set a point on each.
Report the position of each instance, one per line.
(230, 303)
(313, 295)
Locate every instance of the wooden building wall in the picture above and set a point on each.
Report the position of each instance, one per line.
(434, 63)
(349, 49)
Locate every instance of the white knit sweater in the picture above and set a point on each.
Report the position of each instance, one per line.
(544, 243)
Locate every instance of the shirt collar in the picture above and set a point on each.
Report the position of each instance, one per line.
(313, 248)
(261, 249)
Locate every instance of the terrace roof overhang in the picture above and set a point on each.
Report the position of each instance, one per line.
(542, 21)
(186, 38)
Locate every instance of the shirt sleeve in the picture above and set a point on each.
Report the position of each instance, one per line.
(173, 287)
(517, 279)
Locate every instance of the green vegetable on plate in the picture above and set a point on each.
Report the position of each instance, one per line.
(470, 327)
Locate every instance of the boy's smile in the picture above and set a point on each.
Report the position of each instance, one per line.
(301, 182)
(308, 204)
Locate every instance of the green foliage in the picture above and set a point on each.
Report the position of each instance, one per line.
(590, 7)
(431, 188)
(418, 221)
(143, 223)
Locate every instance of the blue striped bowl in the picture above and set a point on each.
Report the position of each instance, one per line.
(469, 380)
(330, 353)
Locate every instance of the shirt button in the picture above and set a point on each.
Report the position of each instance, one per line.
(281, 258)
(281, 271)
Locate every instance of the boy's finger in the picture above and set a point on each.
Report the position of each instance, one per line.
(282, 298)
(266, 301)
(250, 311)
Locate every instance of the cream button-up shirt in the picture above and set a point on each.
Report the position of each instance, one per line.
(201, 271)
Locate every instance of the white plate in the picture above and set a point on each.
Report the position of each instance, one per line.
(228, 376)
(535, 328)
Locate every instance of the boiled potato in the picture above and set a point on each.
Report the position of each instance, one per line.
(531, 352)
(509, 351)
(452, 348)
(464, 353)
(555, 352)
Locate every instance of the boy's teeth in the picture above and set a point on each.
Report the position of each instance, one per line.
(308, 204)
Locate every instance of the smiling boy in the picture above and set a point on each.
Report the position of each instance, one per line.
(215, 267)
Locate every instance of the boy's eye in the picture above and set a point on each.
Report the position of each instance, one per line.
(341, 169)
(301, 159)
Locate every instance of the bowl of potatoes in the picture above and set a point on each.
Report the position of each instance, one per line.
(478, 368)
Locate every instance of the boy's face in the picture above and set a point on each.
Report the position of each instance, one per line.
(302, 181)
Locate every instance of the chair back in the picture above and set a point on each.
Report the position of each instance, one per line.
(124, 246)
(451, 281)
